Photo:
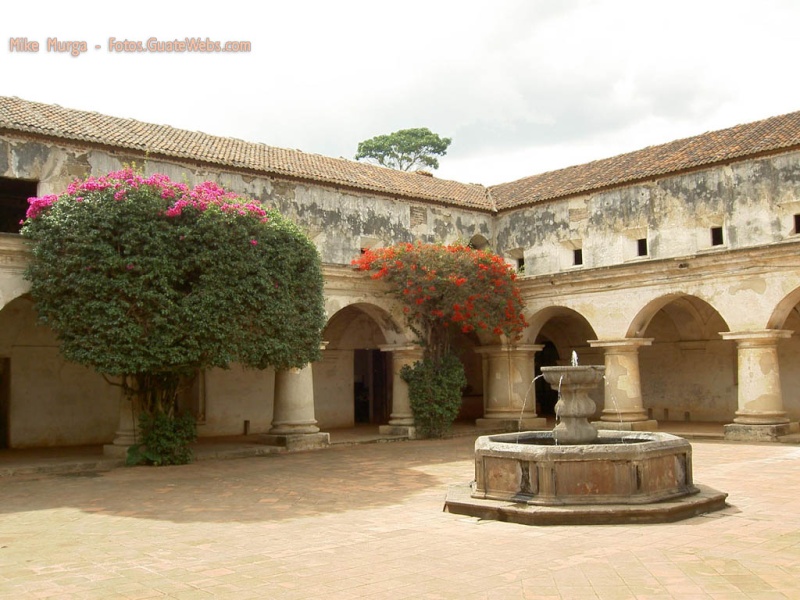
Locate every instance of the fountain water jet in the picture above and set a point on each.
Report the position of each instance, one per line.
(575, 474)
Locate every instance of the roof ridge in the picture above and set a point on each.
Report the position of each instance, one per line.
(737, 142)
(165, 140)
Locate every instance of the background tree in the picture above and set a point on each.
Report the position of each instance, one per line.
(405, 150)
(446, 289)
(147, 281)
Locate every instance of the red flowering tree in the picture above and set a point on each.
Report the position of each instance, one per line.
(444, 290)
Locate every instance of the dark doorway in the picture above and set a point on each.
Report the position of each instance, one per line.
(370, 401)
(14, 194)
(5, 399)
(546, 397)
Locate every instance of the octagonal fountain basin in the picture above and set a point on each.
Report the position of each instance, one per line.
(616, 468)
(621, 477)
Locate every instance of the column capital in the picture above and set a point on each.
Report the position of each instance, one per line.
(508, 348)
(762, 337)
(623, 345)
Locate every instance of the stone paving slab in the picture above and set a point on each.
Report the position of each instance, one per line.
(366, 521)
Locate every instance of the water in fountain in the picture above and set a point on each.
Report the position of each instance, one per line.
(525, 402)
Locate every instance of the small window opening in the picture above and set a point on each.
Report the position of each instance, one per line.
(577, 256)
(641, 247)
(716, 236)
(520, 265)
(796, 225)
(14, 194)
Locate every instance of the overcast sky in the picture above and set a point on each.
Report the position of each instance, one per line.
(521, 87)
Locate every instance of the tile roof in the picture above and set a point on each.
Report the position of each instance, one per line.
(767, 136)
(770, 135)
(161, 140)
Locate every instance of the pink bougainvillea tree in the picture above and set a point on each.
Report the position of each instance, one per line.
(148, 280)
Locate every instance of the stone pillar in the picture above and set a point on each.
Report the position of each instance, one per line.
(509, 395)
(760, 414)
(293, 424)
(401, 421)
(623, 408)
(125, 436)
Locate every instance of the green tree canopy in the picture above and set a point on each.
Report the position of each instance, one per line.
(148, 280)
(405, 150)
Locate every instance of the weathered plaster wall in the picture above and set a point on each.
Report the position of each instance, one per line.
(52, 402)
(689, 381)
(234, 396)
(13, 259)
(753, 201)
(339, 222)
(333, 389)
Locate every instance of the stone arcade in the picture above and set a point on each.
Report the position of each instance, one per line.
(674, 266)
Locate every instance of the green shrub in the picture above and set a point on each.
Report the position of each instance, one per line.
(435, 393)
(165, 440)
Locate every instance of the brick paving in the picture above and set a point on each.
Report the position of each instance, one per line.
(366, 521)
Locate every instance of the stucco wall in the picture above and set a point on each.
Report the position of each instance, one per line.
(234, 396)
(52, 402)
(753, 201)
(333, 389)
(339, 222)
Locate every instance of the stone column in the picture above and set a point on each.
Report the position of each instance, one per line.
(125, 436)
(509, 395)
(623, 408)
(401, 421)
(293, 424)
(760, 414)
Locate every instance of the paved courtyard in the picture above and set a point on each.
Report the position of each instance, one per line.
(366, 521)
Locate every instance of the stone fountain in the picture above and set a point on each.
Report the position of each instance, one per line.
(576, 474)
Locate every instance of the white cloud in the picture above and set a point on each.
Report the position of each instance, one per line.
(520, 86)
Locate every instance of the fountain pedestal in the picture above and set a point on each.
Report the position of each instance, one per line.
(574, 406)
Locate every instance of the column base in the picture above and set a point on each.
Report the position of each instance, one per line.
(739, 432)
(647, 425)
(505, 424)
(116, 451)
(294, 442)
(408, 431)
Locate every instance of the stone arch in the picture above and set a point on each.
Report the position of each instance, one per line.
(12, 288)
(386, 316)
(783, 310)
(560, 331)
(567, 329)
(353, 382)
(786, 316)
(690, 305)
(45, 400)
(688, 372)
(478, 242)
